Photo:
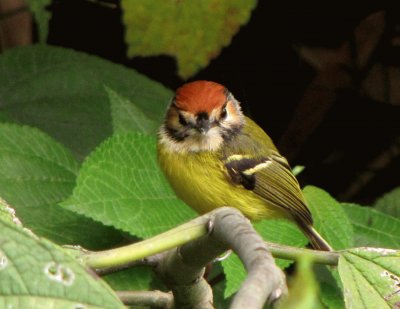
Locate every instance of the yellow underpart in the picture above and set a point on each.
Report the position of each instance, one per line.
(201, 180)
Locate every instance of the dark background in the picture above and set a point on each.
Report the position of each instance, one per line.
(263, 71)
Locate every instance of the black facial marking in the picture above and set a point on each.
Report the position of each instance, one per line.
(224, 113)
(182, 120)
(202, 120)
(228, 133)
(176, 135)
(202, 115)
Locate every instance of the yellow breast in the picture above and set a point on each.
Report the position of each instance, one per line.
(201, 181)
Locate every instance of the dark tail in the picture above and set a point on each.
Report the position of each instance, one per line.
(316, 240)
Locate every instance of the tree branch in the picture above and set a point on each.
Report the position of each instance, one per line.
(265, 281)
(125, 255)
(183, 268)
(201, 241)
(153, 299)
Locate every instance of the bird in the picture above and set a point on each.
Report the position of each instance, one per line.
(213, 155)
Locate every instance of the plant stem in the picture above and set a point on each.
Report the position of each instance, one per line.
(294, 253)
(184, 234)
(124, 255)
(154, 299)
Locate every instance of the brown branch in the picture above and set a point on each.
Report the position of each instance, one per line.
(201, 241)
(15, 24)
(153, 299)
(265, 281)
(183, 268)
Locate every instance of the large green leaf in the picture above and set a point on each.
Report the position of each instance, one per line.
(127, 117)
(370, 277)
(37, 274)
(330, 220)
(36, 173)
(121, 185)
(275, 231)
(7, 213)
(234, 273)
(390, 203)
(131, 279)
(372, 227)
(331, 296)
(192, 31)
(62, 92)
(281, 232)
(219, 299)
(330, 293)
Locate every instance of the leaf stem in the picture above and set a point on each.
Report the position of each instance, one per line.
(181, 235)
(294, 253)
(124, 255)
(154, 299)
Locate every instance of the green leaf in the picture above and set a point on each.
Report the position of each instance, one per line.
(298, 169)
(275, 231)
(329, 291)
(36, 173)
(372, 227)
(234, 273)
(42, 17)
(331, 296)
(220, 301)
(131, 279)
(370, 277)
(121, 185)
(37, 274)
(127, 117)
(7, 213)
(330, 220)
(303, 291)
(192, 31)
(62, 92)
(282, 232)
(4, 117)
(389, 203)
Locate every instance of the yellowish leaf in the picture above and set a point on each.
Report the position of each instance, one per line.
(194, 32)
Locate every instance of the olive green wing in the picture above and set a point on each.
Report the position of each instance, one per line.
(271, 178)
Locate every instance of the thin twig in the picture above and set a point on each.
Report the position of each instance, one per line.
(294, 254)
(124, 255)
(201, 241)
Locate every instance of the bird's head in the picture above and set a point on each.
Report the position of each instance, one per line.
(201, 116)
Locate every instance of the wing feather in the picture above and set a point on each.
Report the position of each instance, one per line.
(272, 180)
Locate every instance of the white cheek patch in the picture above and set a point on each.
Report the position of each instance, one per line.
(195, 142)
(210, 141)
(213, 138)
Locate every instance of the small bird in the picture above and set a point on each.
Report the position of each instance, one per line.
(214, 156)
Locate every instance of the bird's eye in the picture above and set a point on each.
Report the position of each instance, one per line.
(182, 120)
(224, 113)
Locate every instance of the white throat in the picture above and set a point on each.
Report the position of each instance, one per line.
(210, 141)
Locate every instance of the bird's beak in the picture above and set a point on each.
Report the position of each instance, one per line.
(203, 125)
